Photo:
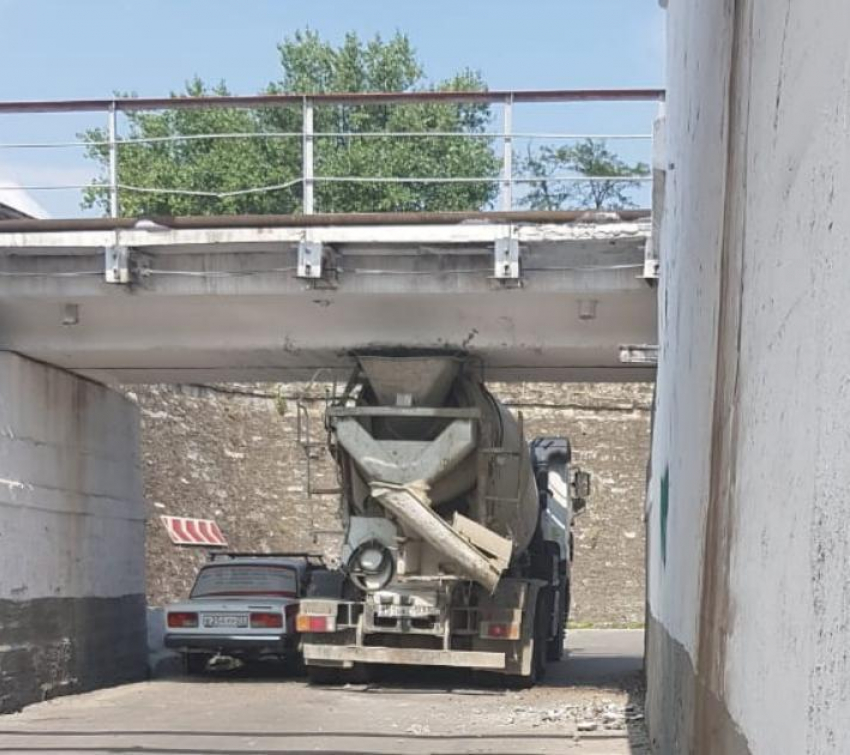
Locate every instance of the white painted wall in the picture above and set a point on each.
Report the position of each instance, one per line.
(71, 507)
(785, 677)
(689, 249)
(788, 670)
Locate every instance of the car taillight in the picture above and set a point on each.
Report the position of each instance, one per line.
(266, 621)
(315, 623)
(182, 620)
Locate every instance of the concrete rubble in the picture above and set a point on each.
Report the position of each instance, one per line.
(598, 715)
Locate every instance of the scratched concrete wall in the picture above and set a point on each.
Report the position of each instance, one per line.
(689, 248)
(72, 523)
(749, 543)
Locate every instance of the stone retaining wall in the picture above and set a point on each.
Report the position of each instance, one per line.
(230, 454)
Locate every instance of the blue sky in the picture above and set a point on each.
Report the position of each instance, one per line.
(58, 49)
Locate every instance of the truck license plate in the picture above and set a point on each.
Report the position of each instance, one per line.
(395, 611)
(226, 620)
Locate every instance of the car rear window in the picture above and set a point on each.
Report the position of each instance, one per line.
(234, 580)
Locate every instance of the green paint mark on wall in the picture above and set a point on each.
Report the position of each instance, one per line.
(665, 507)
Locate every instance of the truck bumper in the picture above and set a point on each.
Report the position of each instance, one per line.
(333, 654)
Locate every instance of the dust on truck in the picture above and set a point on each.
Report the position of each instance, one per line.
(457, 544)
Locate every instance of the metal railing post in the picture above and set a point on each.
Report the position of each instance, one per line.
(307, 157)
(112, 131)
(507, 156)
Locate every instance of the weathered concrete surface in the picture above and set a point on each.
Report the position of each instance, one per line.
(435, 712)
(216, 305)
(72, 611)
(749, 544)
(56, 646)
(233, 457)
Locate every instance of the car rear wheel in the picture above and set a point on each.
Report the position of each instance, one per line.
(195, 663)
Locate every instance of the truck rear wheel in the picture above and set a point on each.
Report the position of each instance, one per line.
(359, 673)
(555, 646)
(542, 622)
(325, 675)
(538, 656)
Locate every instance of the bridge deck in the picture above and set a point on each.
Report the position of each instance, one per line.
(217, 299)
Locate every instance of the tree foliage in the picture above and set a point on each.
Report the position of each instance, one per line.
(590, 157)
(308, 65)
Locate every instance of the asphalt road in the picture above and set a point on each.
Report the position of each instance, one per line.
(591, 703)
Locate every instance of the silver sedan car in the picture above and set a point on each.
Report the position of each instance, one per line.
(241, 606)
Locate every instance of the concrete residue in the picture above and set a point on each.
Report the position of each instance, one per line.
(596, 715)
(716, 610)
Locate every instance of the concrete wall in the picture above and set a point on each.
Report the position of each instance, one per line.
(232, 456)
(749, 546)
(72, 606)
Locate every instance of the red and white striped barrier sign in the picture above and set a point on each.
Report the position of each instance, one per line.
(187, 531)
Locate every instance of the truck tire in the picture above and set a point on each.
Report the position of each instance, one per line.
(538, 657)
(555, 646)
(331, 676)
(327, 676)
(541, 636)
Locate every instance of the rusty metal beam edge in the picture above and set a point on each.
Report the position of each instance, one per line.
(130, 104)
(318, 219)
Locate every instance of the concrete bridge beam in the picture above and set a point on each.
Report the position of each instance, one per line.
(209, 304)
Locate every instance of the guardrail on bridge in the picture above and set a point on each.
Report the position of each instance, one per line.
(506, 181)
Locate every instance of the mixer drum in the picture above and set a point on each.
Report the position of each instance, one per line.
(498, 460)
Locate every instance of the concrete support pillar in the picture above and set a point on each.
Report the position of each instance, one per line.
(749, 543)
(72, 529)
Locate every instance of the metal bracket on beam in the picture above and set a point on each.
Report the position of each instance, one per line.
(116, 260)
(650, 269)
(312, 256)
(125, 264)
(646, 354)
(506, 259)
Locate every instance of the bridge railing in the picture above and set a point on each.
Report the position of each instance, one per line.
(508, 184)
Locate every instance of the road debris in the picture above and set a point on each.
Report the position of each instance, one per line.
(596, 715)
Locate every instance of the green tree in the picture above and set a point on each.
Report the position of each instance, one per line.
(341, 148)
(591, 158)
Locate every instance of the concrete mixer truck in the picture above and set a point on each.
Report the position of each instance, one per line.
(457, 543)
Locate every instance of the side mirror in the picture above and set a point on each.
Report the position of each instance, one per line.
(580, 490)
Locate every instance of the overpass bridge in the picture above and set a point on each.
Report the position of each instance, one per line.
(537, 295)
(87, 303)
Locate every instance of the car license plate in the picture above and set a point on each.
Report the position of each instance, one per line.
(395, 611)
(226, 620)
